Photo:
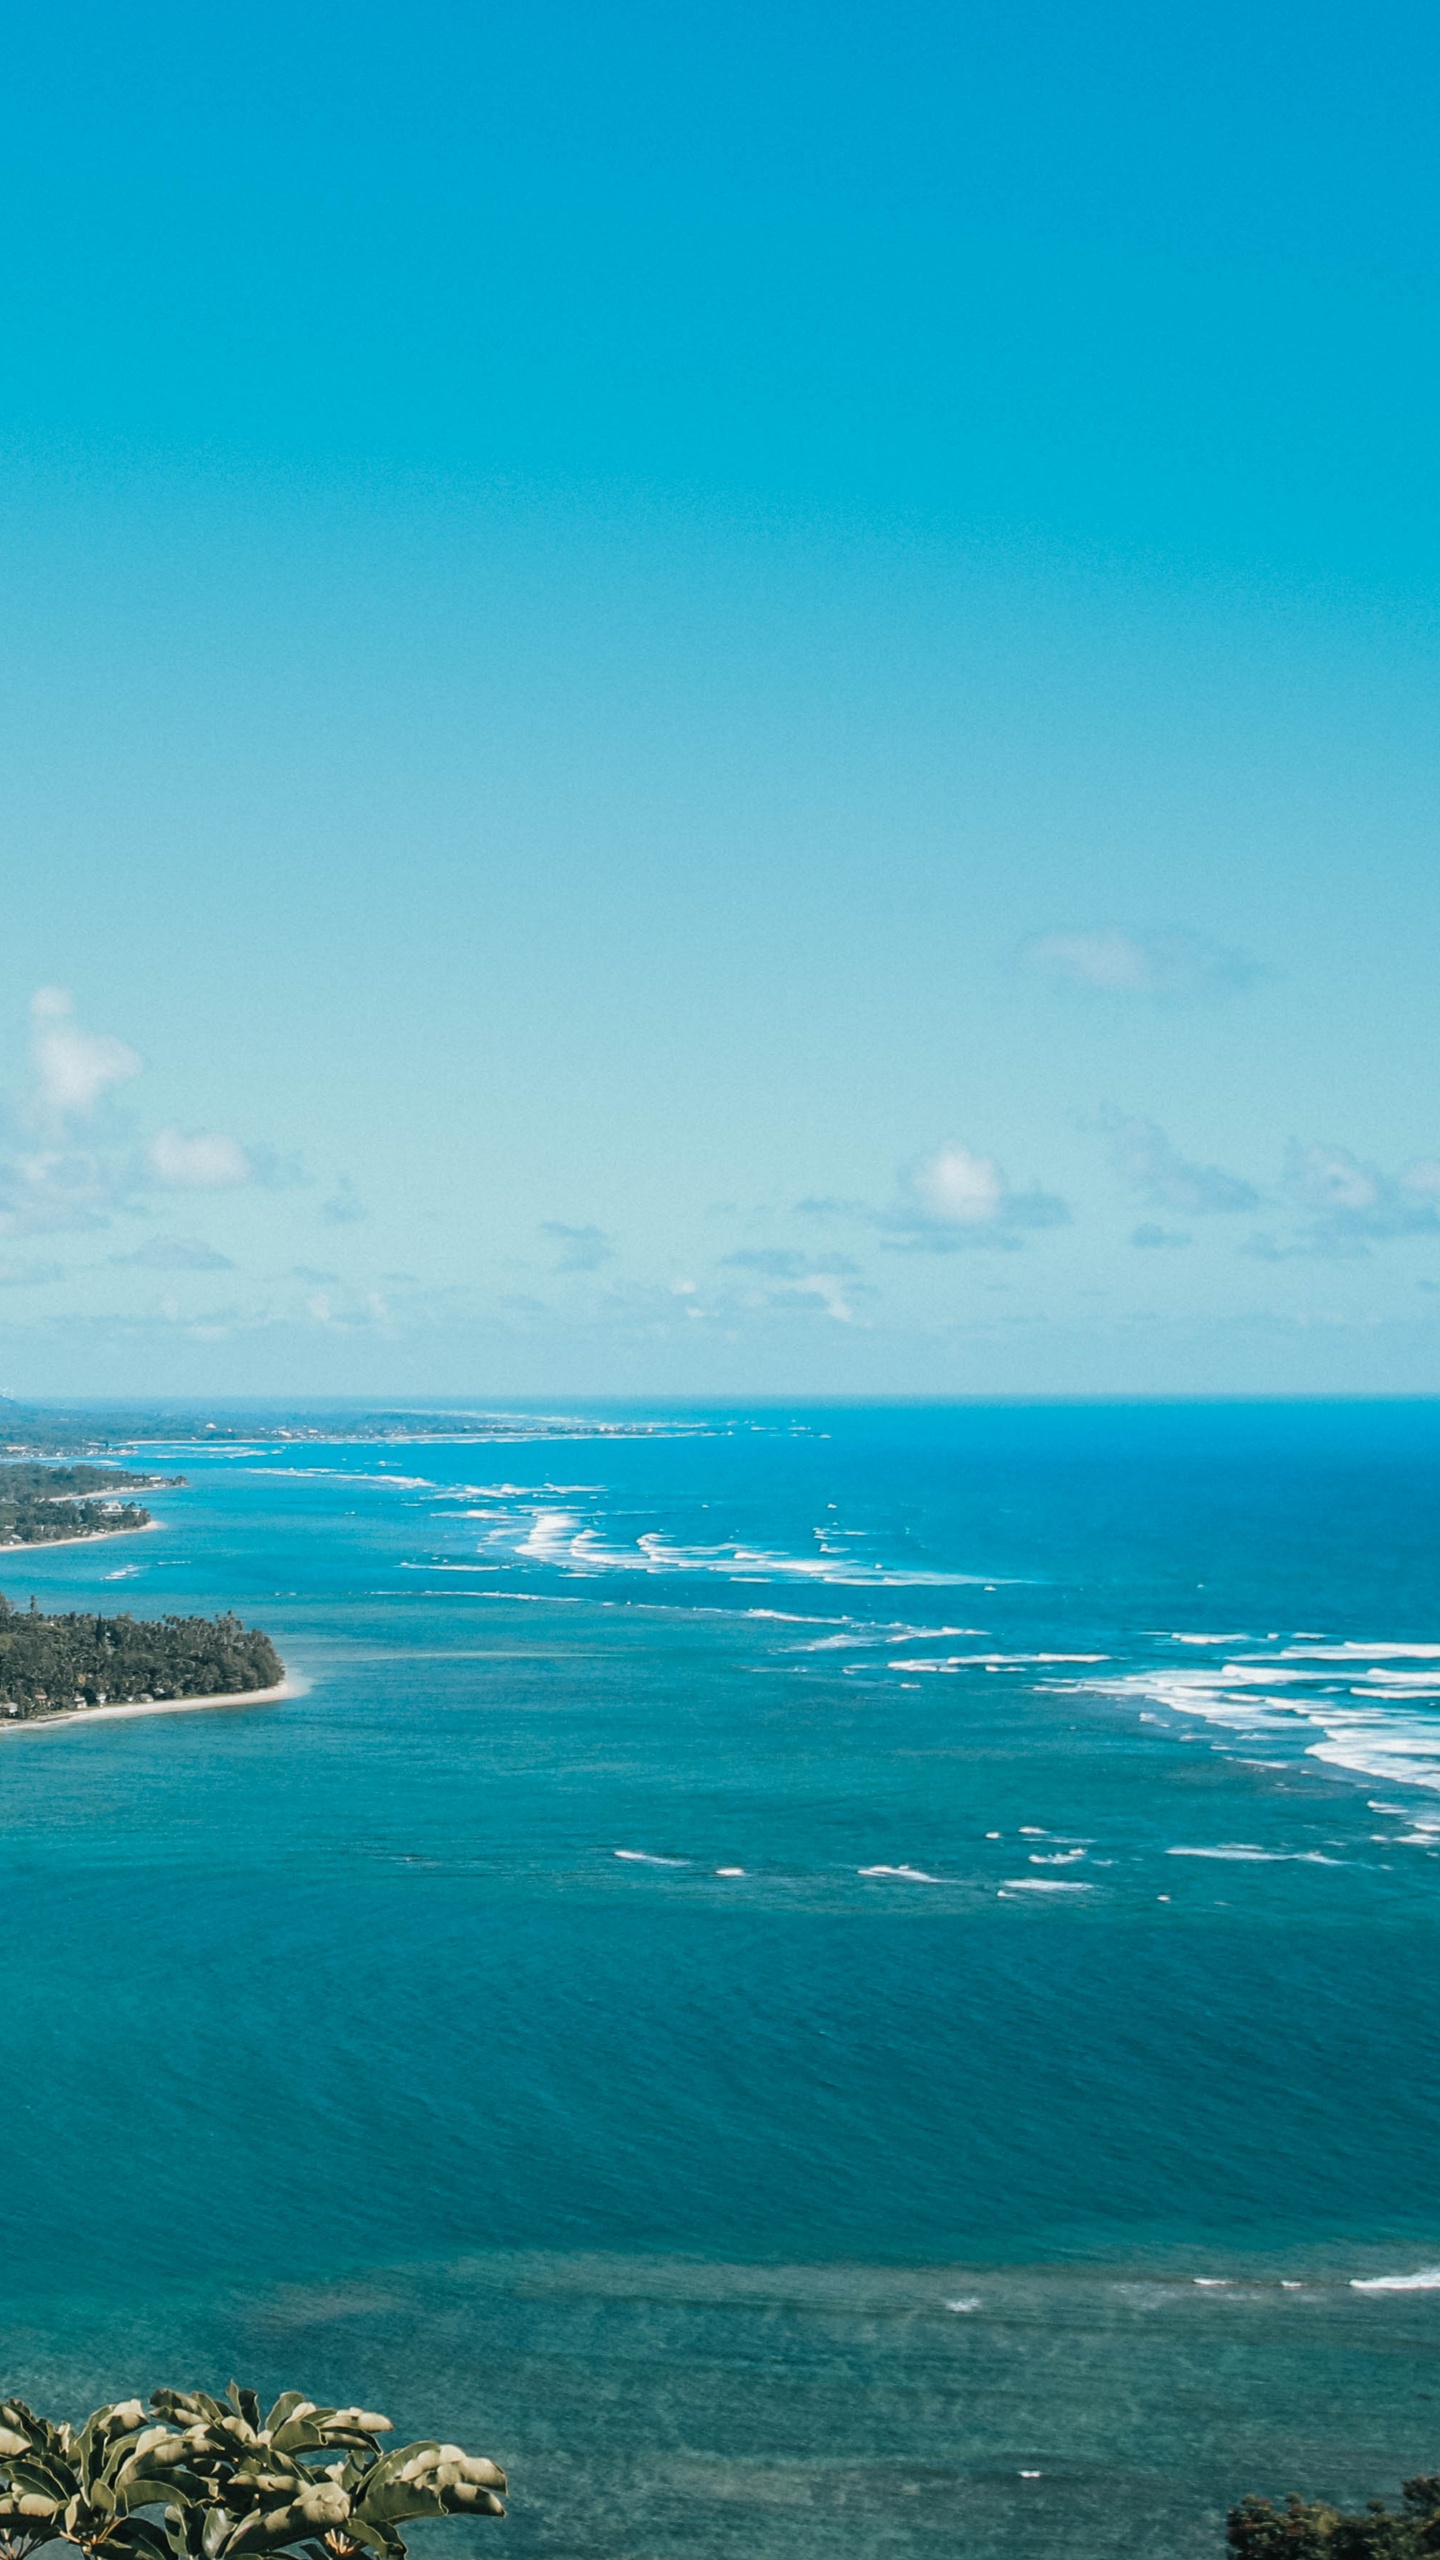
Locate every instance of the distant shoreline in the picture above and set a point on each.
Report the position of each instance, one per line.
(289, 1687)
(84, 1538)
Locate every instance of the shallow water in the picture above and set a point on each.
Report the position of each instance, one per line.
(409, 2039)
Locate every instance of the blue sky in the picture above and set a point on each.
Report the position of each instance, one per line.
(719, 701)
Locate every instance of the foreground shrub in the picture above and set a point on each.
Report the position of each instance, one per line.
(226, 2481)
(1302, 2529)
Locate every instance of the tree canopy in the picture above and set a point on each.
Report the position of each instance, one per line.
(1308, 2529)
(51, 1665)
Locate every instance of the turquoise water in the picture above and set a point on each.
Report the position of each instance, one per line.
(1043, 2095)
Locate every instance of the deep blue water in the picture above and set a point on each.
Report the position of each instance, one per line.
(409, 2040)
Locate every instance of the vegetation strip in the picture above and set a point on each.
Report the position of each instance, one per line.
(42, 1506)
(59, 1665)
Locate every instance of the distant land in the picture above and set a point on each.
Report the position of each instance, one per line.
(35, 1431)
(61, 1665)
(44, 1506)
(65, 1664)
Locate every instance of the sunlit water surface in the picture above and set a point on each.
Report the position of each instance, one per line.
(811, 1980)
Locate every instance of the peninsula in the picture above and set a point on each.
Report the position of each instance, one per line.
(32, 1431)
(44, 1506)
(56, 1665)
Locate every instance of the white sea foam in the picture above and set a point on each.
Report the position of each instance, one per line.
(908, 1875)
(531, 1599)
(965, 2302)
(1368, 1708)
(860, 1636)
(992, 1661)
(1427, 2280)
(646, 1858)
(545, 1533)
(1244, 1850)
(353, 1475)
(1228, 1849)
(1044, 1884)
(1353, 1651)
(437, 1565)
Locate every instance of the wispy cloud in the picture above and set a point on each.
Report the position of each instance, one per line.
(775, 1281)
(30, 1275)
(46, 1189)
(779, 1264)
(347, 1310)
(344, 1208)
(782, 1278)
(581, 1248)
(197, 1160)
(955, 1198)
(822, 1206)
(1167, 967)
(173, 1253)
(1346, 1205)
(1155, 1170)
(1151, 1238)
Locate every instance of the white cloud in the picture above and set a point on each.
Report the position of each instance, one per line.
(1141, 1152)
(71, 1162)
(200, 1161)
(957, 1188)
(955, 1197)
(1170, 968)
(1151, 1238)
(73, 1068)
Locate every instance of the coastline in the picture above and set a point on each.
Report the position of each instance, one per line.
(87, 1538)
(290, 1687)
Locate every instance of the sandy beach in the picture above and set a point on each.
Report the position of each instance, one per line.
(87, 1538)
(287, 1688)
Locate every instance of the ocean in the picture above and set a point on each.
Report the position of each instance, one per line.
(808, 1979)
